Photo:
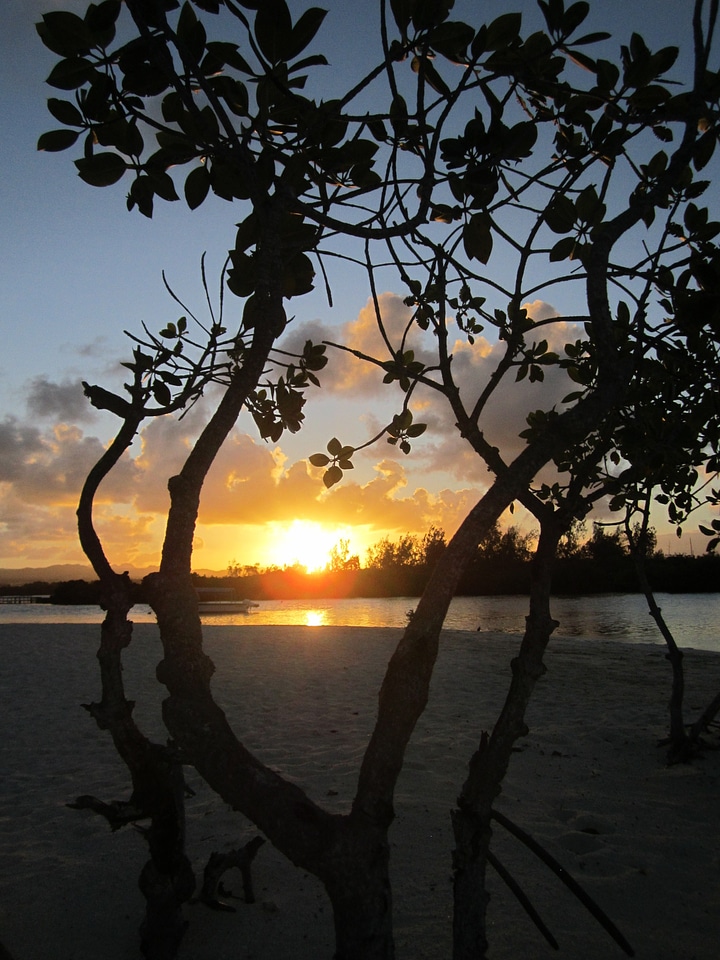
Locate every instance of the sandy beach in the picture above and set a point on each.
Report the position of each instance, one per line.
(588, 781)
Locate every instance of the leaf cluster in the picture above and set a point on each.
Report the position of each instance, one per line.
(278, 405)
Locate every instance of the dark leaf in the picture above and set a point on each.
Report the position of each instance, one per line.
(101, 169)
(163, 185)
(228, 53)
(298, 276)
(574, 16)
(429, 13)
(591, 38)
(704, 149)
(70, 74)
(317, 60)
(503, 31)
(399, 115)
(402, 12)
(242, 278)
(64, 33)
(560, 215)
(55, 140)
(332, 476)
(141, 195)
(553, 11)
(65, 112)
(161, 392)
(477, 237)
(664, 59)
(442, 213)
(588, 207)
(234, 93)
(304, 31)
(97, 100)
(424, 66)
(124, 136)
(247, 233)
(101, 18)
(607, 74)
(227, 181)
(197, 186)
(365, 178)
(416, 429)
(563, 249)
(649, 97)
(191, 34)
(582, 60)
(273, 30)
(451, 39)
(319, 460)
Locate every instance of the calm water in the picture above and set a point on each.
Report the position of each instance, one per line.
(693, 618)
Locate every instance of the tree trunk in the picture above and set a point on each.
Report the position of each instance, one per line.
(680, 746)
(167, 880)
(349, 854)
(358, 886)
(488, 766)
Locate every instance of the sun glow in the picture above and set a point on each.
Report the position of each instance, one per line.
(305, 543)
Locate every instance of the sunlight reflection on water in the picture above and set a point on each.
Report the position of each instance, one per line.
(693, 618)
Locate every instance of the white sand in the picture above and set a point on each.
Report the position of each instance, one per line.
(589, 782)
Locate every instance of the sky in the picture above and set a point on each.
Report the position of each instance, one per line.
(77, 270)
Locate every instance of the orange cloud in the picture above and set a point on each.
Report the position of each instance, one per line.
(252, 484)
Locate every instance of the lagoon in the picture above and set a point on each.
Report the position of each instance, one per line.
(694, 618)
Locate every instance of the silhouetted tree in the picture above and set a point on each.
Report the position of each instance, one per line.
(341, 559)
(519, 155)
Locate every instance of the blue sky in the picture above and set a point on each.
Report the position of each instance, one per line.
(76, 269)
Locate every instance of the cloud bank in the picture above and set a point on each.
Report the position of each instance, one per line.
(45, 458)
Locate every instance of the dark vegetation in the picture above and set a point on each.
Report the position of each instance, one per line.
(500, 566)
(488, 145)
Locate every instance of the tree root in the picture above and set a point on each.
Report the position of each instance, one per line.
(219, 864)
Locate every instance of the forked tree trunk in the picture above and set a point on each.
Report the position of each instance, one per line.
(167, 880)
(349, 854)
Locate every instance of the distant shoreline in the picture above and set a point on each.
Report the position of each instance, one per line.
(674, 573)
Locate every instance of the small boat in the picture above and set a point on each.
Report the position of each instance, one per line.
(219, 600)
(215, 607)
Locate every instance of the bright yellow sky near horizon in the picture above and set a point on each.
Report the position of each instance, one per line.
(304, 542)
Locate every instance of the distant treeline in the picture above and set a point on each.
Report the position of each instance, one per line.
(484, 577)
(502, 565)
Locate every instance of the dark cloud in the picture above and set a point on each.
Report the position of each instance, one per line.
(19, 444)
(62, 402)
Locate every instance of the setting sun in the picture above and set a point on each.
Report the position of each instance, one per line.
(304, 542)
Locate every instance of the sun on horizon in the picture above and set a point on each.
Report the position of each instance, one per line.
(304, 542)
